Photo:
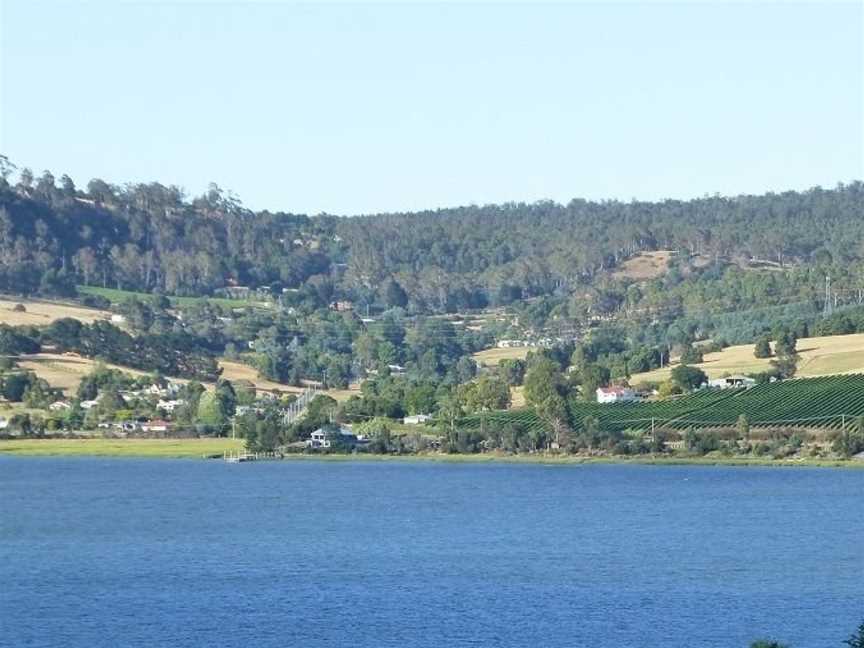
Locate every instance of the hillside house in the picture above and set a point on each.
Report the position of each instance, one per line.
(323, 438)
(416, 419)
(615, 395)
(169, 389)
(170, 405)
(732, 382)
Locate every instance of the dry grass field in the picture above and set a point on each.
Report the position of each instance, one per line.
(159, 448)
(820, 356)
(65, 370)
(491, 357)
(39, 313)
(517, 397)
(645, 266)
(342, 395)
(235, 371)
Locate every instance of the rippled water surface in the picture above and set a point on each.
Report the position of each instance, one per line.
(97, 552)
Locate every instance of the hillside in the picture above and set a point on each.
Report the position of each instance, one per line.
(148, 237)
(820, 356)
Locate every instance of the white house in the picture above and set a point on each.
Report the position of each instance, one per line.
(318, 439)
(116, 318)
(170, 405)
(321, 438)
(732, 382)
(615, 395)
(416, 419)
(3, 423)
(87, 404)
(58, 406)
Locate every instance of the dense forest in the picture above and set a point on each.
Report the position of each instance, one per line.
(152, 238)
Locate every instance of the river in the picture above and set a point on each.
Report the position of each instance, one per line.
(144, 553)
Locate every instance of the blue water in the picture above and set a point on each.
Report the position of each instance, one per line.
(147, 553)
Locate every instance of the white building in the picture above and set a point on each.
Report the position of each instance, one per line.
(156, 426)
(58, 406)
(318, 439)
(510, 344)
(416, 419)
(732, 382)
(170, 405)
(321, 438)
(615, 395)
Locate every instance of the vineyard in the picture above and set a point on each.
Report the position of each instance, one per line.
(827, 402)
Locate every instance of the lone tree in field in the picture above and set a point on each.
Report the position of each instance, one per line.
(786, 344)
(785, 364)
(691, 355)
(688, 378)
(763, 347)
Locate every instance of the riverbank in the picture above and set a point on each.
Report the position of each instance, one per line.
(202, 448)
(156, 448)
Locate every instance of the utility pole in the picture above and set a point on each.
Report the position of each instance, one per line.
(829, 309)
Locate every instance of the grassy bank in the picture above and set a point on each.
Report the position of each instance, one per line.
(161, 448)
(198, 448)
(116, 296)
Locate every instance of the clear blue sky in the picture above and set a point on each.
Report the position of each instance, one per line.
(360, 108)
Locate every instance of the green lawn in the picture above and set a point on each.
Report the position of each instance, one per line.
(164, 448)
(116, 296)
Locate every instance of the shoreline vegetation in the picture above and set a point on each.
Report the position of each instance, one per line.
(213, 448)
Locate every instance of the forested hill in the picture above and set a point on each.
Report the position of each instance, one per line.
(150, 237)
